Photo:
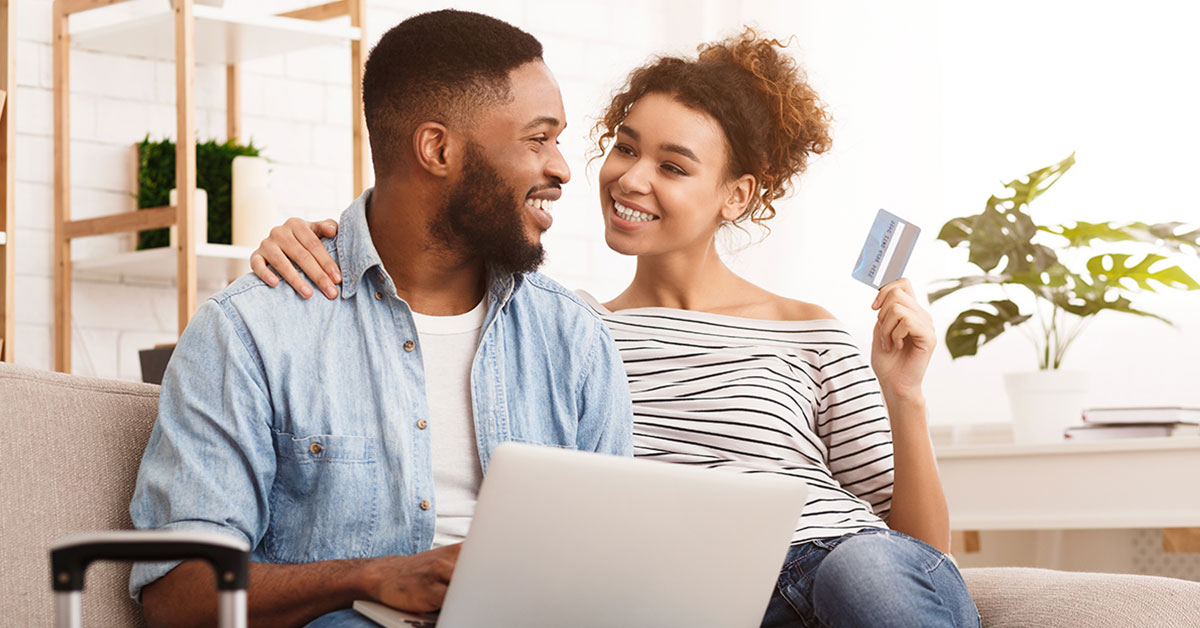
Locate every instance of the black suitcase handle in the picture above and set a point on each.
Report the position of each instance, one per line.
(70, 556)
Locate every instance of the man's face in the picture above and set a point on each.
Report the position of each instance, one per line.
(512, 173)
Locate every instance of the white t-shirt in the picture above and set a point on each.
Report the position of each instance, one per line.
(448, 346)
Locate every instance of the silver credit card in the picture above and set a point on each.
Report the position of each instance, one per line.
(885, 253)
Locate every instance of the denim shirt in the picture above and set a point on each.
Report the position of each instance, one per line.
(292, 424)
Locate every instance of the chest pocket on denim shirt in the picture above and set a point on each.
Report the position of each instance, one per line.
(323, 503)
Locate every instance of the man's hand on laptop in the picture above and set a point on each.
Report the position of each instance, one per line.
(293, 595)
(414, 583)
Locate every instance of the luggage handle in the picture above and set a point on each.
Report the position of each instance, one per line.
(70, 557)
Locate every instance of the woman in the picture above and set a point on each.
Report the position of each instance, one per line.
(725, 374)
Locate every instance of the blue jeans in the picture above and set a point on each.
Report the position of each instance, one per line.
(342, 619)
(876, 578)
(873, 578)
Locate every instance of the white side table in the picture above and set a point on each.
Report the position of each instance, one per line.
(1128, 483)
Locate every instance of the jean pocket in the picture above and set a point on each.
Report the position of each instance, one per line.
(324, 498)
(794, 588)
(936, 556)
(827, 544)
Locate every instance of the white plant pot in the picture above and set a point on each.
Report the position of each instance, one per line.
(200, 215)
(1044, 403)
(254, 203)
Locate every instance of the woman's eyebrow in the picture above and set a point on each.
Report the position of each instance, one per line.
(681, 150)
(671, 148)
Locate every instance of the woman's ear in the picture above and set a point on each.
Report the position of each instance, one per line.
(740, 192)
(431, 148)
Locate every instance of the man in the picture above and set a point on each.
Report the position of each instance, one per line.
(344, 438)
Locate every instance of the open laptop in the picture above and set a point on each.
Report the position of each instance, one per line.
(566, 538)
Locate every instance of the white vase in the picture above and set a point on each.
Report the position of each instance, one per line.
(254, 202)
(199, 215)
(1044, 403)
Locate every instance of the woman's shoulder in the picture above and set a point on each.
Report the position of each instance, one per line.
(767, 305)
(752, 305)
(795, 310)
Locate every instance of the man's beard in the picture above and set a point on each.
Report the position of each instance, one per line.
(482, 218)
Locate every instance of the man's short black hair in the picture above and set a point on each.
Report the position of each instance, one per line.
(439, 66)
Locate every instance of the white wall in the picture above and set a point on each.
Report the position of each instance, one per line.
(296, 106)
(934, 104)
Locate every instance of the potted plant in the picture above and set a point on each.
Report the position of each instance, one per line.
(1058, 297)
(214, 174)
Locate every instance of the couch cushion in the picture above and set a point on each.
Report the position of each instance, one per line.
(72, 446)
(1012, 597)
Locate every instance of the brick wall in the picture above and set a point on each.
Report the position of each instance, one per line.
(296, 106)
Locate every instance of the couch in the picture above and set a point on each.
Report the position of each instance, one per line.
(71, 448)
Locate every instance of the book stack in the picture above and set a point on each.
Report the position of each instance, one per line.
(1144, 422)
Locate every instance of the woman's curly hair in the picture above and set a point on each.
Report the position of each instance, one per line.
(772, 118)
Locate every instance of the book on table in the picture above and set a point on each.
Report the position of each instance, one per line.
(1144, 414)
(1130, 430)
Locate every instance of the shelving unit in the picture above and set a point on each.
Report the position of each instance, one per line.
(214, 263)
(8, 139)
(187, 35)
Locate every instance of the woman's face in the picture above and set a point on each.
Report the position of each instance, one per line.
(664, 186)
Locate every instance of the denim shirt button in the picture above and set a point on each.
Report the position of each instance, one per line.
(422, 424)
(378, 296)
(409, 345)
(425, 505)
(315, 448)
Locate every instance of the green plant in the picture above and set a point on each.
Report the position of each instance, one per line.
(1064, 298)
(214, 173)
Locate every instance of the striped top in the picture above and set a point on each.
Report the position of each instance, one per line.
(794, 398)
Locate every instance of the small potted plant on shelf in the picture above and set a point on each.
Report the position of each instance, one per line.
(1058, 297)
(214, 175)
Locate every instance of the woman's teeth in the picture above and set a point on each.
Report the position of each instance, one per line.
(632, 215)
(543, 204)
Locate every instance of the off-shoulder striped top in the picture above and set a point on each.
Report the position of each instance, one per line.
(793, 398)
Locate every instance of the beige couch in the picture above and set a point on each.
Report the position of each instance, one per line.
(70, 455)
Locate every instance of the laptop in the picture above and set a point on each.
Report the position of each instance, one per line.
(567, 538)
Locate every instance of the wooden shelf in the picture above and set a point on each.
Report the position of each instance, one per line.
(215, 263)
(186, 35)
(223, 36)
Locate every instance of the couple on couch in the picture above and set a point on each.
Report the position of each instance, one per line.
(345, 438)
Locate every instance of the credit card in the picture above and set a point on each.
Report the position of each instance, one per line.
(886, 251)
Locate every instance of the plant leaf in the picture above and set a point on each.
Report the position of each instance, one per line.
(1037, 182)
(1085, 298)
(1111, 268)
(1167, 232)
(1040, 282)
(956, 231)
(1003, 230)
(966, 282)
(977, 327)
(1162, 234)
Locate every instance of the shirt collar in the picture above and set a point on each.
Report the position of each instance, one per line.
(356, 255)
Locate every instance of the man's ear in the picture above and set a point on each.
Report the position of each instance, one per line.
(431, 148)
(740, 192)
